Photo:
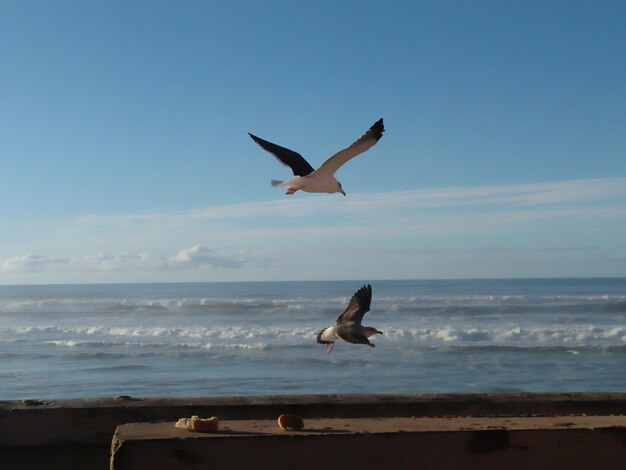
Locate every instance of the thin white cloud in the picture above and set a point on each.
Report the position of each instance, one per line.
(114, 262)
(536, 194)
(32, 262)
(196, 257)
(200, 256)
(328, 236)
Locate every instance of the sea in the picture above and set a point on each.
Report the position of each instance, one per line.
(258, 338)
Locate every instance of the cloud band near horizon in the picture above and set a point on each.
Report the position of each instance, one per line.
(305, 235)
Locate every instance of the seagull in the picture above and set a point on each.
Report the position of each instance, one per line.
(321, 180)
(348, 327)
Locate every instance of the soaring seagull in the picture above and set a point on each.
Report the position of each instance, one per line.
(321, 180)
(348, 326)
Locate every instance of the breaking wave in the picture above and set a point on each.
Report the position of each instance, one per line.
(266, 337)
(259, 338)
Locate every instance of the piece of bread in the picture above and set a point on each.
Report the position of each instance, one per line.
(290, 422)
(198, 424)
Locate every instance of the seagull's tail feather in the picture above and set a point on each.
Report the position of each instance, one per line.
(277, 182)
(325, 338)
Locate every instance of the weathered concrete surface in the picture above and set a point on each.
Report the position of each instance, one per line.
(67, 434)
(364, 443)
(94, 420)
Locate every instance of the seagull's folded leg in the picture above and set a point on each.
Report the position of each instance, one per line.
(329, 347)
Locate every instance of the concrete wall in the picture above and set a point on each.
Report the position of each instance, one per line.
(76, 434)
(379, 443)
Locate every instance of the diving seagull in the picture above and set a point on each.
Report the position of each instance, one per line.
(321, 180)
(348, 326)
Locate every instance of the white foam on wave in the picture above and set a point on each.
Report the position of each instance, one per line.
(412, 330)
(178, 305)
(73, 344)
(511, 335)
(198, 332)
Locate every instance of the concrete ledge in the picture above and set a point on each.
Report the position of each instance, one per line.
(68, 434)
(515, 442)
(94, 420)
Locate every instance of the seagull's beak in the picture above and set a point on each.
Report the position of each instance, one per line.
(380, 332)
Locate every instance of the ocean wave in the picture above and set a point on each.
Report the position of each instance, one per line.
(219, 335)
(74, 343)
(608, 307)
(511, 335)
(436, 303)
(78, 344)
(301, 353)
(556, 349)
(221, 332)
(154, 306)
(116, 368)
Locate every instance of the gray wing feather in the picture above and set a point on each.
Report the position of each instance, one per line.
(357, 307)
(359, 146)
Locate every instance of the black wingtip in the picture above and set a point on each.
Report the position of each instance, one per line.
(257, 140)
(378, 129)
(364, 293)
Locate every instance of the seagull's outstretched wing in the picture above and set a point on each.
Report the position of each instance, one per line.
(293, 160)
(359, 146)
(359, 304)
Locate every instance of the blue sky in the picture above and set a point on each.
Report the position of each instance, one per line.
(125, 155)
